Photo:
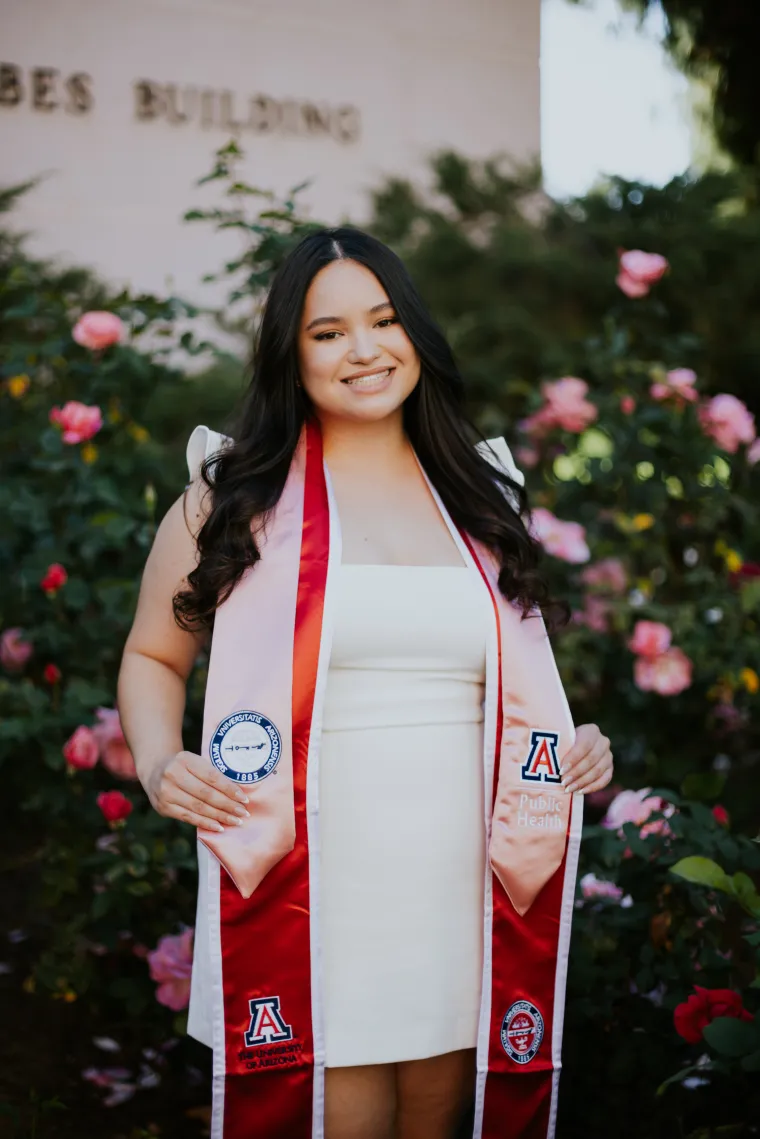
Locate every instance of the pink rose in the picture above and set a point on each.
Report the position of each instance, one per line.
(566, 406)
(564, 540)
(14, 650)
(593, 887)
(650, 638)
(633, 807)
(726, 419)
(114, 805)
(657, 826)
(667, 674)
(98, 330)
(55, 577)
(607, 574)
(81, 749)
(170, 964)
(594, 614)
(753, 454)
(566, 399)
(527, 456)
(638, 271)
(627, 404)
(79, 422)
(678, 385)
(114, 752)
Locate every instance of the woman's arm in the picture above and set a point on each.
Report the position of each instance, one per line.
(157, 661)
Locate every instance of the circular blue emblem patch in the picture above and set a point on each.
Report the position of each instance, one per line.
(245, 747)
(522, 1031)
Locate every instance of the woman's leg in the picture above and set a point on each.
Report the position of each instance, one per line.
(360, 1102)
(434, 1094)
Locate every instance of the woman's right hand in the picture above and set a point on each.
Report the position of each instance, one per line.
(188, 787)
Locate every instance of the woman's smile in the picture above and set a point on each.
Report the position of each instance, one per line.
(376, 381)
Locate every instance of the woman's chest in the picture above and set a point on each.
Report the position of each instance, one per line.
(393, 524)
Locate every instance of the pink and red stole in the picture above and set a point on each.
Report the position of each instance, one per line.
(268, 668)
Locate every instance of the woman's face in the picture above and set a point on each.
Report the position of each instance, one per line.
(355, 359)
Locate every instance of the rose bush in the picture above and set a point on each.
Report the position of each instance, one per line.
(664, 964)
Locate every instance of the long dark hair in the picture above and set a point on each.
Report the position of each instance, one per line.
(246, 480)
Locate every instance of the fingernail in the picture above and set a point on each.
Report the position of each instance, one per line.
(237, 822)
(242, 798)
(242, 812)
(219, 827)
(569, 788)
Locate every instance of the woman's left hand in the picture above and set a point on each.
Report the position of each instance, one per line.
(588, 764)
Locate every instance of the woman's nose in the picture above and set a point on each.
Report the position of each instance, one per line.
(363, 347)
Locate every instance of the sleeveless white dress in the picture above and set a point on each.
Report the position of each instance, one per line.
(401, 805)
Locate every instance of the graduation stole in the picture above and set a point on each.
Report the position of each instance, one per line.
(262, 724)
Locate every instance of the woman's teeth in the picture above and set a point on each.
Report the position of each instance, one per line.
(367, 381)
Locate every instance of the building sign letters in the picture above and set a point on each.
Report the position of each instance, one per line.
(47, 89)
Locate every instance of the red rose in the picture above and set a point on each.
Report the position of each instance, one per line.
(51, 673)
(720, 814)
(703, 1006)
(55, 577)
(114, 805)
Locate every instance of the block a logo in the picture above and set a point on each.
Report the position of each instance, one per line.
(267, 1025)
(542, 764)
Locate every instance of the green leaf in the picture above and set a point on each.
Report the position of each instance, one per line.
(744, 890)
(703, 872)
(101, 904)
(749, 595)
(732, 1037)
(139, 889)
(703, 785)
(751, 1063)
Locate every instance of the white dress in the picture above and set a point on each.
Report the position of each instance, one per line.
(401, 806)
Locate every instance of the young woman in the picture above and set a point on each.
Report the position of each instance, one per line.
(387, 843)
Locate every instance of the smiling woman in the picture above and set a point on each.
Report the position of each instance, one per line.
(365, 351)
(387, 854)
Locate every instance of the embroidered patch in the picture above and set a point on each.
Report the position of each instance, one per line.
(267, 1025)
(542, 764)
(522, 1031)
(245, 747)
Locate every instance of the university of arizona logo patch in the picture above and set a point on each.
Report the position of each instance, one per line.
(542, 764)
(267, 1025)
(245, 747)
(522, 1031)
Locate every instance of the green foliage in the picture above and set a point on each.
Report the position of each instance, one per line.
(99, 896)
(91, 507)
(636, 959)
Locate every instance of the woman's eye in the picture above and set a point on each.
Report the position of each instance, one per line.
(386, 320)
